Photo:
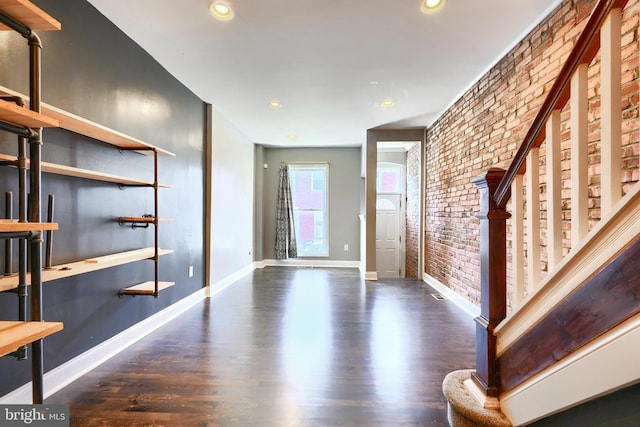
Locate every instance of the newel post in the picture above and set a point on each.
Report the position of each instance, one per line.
(493, 280)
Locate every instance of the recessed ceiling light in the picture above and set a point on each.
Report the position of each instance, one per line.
(292, 136)
(275, 104)
(388, 103)
(221, 10)
(431, 6)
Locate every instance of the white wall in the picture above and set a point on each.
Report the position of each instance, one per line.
(232, 186)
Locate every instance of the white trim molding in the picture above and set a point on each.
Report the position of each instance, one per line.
(470, 308)
(603, 243)
(370, 275)
(601, 367)
(310, 262)
(229, 280)
(65, 374)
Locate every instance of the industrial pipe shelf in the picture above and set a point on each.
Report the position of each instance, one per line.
(146, 288)
(82, 126)
(14, 226)
(29, 15)
(57, 169)
(22, 17)
(142, 219)
(88, 265)
(15, 334)
(20, 116)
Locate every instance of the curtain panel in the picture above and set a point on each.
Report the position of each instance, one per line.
(285, 244)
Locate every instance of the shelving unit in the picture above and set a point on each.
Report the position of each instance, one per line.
(89, 265)
(27, 123)
(154, 287)
(82, 126)
(85, 127)
(54, 168)
(23, 17)
(146, 288)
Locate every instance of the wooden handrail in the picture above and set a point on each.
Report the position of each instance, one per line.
(583, 52)
(495, 189)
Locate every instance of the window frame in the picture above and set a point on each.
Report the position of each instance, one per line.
(312, 166)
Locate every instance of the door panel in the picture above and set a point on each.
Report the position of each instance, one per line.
(388, 236)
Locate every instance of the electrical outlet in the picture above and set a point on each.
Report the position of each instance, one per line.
(346, 247)
(191, 271)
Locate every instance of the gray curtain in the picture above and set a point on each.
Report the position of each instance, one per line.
(285, 246)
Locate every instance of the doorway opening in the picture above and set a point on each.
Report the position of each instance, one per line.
(398, 204)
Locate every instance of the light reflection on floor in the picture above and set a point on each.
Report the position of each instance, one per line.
(307, 338)
(308, 342)
(288, 347)
(389, 349)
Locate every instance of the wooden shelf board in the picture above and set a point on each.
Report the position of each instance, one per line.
(146, 288)
(86, 266)
(94, 130)
(77, 124)
(15, 334)
(86, 173)
(137, 219)
(143, 219)
(8, 283)
(12, 113)
(135, 255)
(13, 226)
(28, 14)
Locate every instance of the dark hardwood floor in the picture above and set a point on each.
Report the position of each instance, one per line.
(287, 347)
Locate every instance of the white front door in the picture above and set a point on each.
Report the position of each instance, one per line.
(388, 236)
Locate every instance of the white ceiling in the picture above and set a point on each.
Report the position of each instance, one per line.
(330, 63)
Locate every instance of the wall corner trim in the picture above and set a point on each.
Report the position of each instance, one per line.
(371, 275)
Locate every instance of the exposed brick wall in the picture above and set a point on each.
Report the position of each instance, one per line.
(486, 125)
(413, 212)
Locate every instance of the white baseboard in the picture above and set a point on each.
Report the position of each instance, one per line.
(469, 307)
(310, 262)
(65, 374)
(370, 275)
(229, 280)
(605, 365)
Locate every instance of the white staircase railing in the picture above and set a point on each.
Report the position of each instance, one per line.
(581, 186)
(568, 205)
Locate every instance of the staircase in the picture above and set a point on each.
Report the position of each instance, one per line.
(560, 228)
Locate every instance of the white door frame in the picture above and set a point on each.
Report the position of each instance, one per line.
(402, 217)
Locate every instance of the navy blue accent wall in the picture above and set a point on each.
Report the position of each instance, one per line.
(92, 69)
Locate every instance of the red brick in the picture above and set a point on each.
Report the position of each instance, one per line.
(485, 127)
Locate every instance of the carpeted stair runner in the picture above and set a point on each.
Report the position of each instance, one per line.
(464, 410)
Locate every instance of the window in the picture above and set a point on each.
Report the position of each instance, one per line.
(309, 194)
(385, 205)
(389, 178)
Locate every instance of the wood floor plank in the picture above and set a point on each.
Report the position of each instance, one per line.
(287, 347)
